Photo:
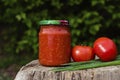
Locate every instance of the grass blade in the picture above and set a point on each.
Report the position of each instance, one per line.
(85, 62)
(87, 65)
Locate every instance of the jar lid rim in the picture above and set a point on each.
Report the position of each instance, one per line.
(54, 22)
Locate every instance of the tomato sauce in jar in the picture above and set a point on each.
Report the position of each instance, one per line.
(54, 42)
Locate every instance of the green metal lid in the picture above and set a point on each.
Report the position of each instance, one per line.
(54, 22)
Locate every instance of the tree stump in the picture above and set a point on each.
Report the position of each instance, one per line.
(34, 71)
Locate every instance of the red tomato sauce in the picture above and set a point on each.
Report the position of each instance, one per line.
(54, 45)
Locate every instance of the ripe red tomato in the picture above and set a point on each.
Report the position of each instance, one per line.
(105, 49)
(82, 53)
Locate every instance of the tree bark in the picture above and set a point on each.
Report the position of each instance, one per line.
(34, 71)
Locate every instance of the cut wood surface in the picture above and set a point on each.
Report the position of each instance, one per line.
(35, 71)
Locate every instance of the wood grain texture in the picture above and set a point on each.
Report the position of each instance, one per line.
(34, 71)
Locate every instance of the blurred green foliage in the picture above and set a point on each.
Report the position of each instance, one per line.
(2, 77)
(89, 19)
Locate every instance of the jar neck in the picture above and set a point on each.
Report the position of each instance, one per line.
(54, 29)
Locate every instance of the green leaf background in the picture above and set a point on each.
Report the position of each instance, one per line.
(89, 19)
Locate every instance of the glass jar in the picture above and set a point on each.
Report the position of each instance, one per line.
(54, 42)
